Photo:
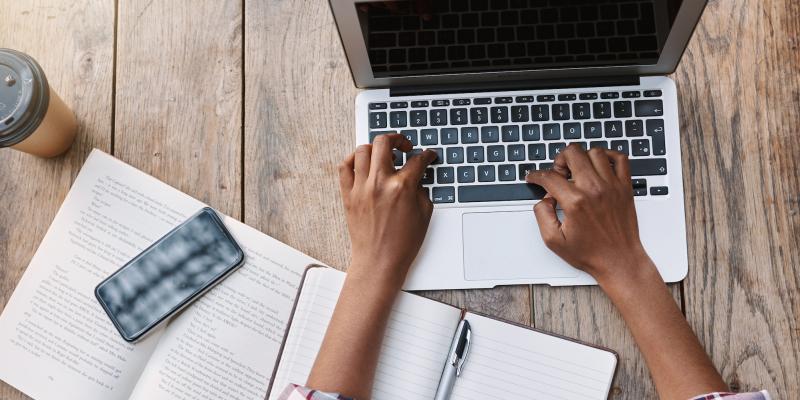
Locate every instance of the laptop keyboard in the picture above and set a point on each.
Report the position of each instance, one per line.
(487, 145)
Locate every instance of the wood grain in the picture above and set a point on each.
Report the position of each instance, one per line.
(179, 95)
(74, 42)
(739, 83)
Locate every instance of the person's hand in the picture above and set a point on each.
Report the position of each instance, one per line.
(387, 211)
(599, 234)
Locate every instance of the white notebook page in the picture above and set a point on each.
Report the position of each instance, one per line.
(510, 362)
(414, 349)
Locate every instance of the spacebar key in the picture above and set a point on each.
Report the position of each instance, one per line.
(509, 192)
(648, 166)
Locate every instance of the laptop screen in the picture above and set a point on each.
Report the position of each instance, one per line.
(426, 37)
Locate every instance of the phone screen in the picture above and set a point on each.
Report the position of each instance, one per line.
(169, 274)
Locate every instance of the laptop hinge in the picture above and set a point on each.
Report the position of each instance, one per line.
(418, 90)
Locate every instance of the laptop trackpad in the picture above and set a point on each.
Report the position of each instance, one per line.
(508, 245)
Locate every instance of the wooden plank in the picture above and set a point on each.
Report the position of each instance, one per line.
(179, 95)
(739, 83)
(299, 122)
(74, 42)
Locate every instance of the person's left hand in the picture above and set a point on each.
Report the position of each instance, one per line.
(387, 210)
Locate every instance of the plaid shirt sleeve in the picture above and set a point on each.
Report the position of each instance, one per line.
(295, 392)
(762, 395)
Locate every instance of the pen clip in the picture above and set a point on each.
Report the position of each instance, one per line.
(467, 341)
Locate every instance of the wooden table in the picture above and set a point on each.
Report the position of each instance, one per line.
(248, 106)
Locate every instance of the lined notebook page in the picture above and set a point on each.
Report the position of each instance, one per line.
(414, 349)
(510, 362)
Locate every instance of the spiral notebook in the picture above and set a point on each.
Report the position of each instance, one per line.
(505, 360)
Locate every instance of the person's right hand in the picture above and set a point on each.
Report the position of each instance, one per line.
(599, 233)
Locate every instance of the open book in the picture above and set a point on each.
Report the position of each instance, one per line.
(504, 360)
(57, 343)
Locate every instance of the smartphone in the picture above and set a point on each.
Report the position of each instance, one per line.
(169, 275)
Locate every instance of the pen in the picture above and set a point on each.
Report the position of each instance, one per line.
(455, 360)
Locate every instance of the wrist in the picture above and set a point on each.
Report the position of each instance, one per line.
(383, 276)
(629, 274)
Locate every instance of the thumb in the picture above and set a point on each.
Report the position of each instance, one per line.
(549, 225)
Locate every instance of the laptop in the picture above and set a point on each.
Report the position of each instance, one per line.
(498, 88)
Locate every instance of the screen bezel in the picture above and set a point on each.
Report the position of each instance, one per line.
(188, 300)
(346, 18)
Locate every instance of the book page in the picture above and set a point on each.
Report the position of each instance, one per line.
(224, 346)
(56, 341)
(413, 352)
(511, 362)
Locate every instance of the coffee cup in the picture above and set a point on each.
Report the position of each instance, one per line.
(33, 118)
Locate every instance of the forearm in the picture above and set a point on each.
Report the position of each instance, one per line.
(678, 364)
(349, 354)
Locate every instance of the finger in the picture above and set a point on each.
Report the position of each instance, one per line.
(555, 184)
(549, 225)
(347, 175)
(602, 163)
(575, 160)
(425, 201)
(382, 156)
(415, 166)
(622, 167)
(362, 160)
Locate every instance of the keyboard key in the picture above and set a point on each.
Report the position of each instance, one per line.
(455, 155)
(466, 174)
(516, 152)
(631, 95)
(648, 166)
(469, 135)
(602, 110)
(659, 190)
(439, 117)
(572, 130)
(556, 149)
(503, 100)
(429, 137)
(639, 183)
(640, 192)
(483, 100)
(475, 154)
(551, 131)
(490, 134)
(413, 153)
(634, 127)
(613, 129)
(620, 146)
(545, 166)
(398, 119)
(622, 109)
(486, 173)
(567, 97)
(588, 96)
(652, 93)
(398, 104)
(507, 172)
(560, 112)
(439, 155)
(377, 120)
(427, 177)
(524, 99)
(519, 114)
(655, 129)
(640, 147)
(445, 175)
(609, 95)
(377, 106)
(592, 130)
(505, 192)
(525, 169)
(478, 115)
(398, 158)
(458, 116)
(411, 135)
(374, 134)
(499, 115)
(540, 112)
(419, 104)
(598, 143)
(495, 153)
(536, 151)
(510, 133)
(449, 135)
(419, 118)
(530, 133)
(581, 111)
(444, 194)
(440, 103)
(649, 108)
(546, 97)
(462, 102)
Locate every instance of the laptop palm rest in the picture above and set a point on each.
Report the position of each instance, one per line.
(508, 245)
